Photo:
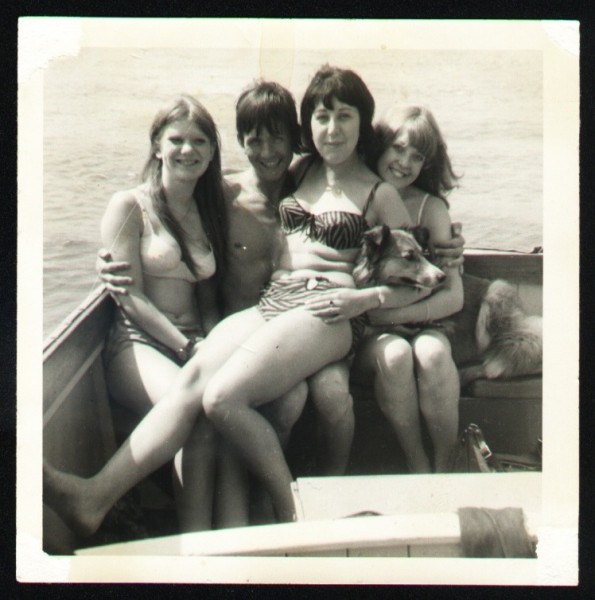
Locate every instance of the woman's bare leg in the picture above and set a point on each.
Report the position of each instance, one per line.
(83, 503)
(137, 378)
(438, 385)
(335, 418)
(283, 352)
(233, 487)
(232, 491)
(390, 357)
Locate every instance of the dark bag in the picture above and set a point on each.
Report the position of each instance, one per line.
(473, 455)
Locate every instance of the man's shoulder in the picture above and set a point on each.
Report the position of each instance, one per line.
(243, 191)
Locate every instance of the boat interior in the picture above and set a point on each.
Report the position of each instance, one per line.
(82, 428)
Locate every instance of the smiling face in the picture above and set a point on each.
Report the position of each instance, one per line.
(270, 154)
(185, 151)
(335, 131)
(401, 163)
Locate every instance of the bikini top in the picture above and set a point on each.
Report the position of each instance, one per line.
(335, 228)
(161, 256)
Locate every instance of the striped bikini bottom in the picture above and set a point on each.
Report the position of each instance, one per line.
(282, 295)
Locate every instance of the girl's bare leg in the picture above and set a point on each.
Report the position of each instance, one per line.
(335, 418)
(283, 352)
(83, 503)
(233, 488)
(232, 492)
(391, 359)
(438, 385)
(137, 378)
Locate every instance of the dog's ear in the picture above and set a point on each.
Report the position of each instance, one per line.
(421, 235)
(377, 234)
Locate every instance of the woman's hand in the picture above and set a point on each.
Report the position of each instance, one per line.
(109, 273)
(333, 306)
(450, 253)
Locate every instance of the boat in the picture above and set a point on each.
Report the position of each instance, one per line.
(376, 509)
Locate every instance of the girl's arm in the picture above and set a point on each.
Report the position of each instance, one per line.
(445, 301)
(121, 229)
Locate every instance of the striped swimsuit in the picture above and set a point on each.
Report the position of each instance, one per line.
(337, 229)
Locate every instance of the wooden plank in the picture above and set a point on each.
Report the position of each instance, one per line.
(80, 339)
(336, 497)
(527, 268)
(305, 538)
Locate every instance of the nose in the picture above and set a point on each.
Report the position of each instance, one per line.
(332, 125)
(266, 149)
(187, 146)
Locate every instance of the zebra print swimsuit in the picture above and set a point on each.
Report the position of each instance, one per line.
(336, 229)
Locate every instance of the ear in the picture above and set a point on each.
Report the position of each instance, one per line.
(377, 234)
(421, 235)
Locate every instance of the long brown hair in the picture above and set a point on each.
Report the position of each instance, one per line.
(208, 192)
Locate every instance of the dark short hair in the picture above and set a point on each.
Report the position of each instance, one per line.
(346, 86)
(267, 104)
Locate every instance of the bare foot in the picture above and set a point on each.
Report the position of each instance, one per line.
(68, 496)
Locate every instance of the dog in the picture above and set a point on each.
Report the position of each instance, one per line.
(491, 337)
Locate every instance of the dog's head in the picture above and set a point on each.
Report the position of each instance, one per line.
(394, 258)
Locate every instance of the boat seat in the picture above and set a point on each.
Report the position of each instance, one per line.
(514, 387)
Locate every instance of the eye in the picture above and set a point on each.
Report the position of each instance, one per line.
(409, 255)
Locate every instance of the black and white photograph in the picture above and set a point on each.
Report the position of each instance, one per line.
(366, 349)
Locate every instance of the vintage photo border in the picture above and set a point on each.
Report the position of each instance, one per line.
(41, 40)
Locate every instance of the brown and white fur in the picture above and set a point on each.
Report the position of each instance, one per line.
(492, 329)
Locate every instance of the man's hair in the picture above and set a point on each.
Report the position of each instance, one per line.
(267, 104)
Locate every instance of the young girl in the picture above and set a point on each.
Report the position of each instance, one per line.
(254, 356)
(171, 229)
(416, 374)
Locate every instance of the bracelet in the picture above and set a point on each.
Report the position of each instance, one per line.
(184, 353)
(381, 298)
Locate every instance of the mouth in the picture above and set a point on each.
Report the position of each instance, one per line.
(271, 164)
(187, 162)
(398, 173)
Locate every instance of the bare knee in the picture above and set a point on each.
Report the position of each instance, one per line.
(433, 357)
(217, 401)
(330, 393)
(393, 359)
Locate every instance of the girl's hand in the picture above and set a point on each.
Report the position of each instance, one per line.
(108, 272)
(333, 306)
(450, 253)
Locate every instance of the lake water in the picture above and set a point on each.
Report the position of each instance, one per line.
(98, 107)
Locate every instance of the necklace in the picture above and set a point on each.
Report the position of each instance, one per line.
(334, 188)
